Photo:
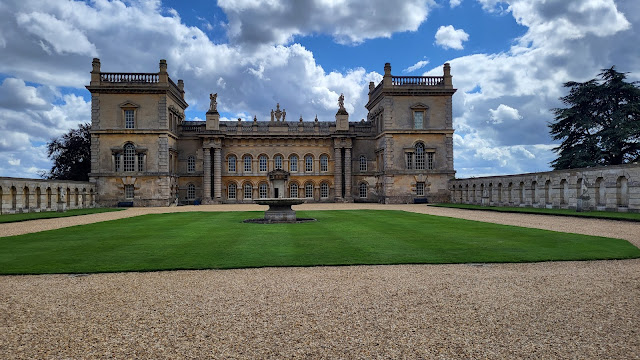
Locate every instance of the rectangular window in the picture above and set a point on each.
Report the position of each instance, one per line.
(128, 191)
(409, 160)
(420, 189)
(128, 119)
(430, 161)
(116, 159)
(418, 119)
(140, 162)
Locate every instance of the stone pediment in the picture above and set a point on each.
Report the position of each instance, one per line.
(278, 174)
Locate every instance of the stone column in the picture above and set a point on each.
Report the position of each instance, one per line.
(347, 173)
(337, 173)
(207, 174)
(217, 174)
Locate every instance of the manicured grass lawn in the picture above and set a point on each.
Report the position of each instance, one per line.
(8, 218)
(200, 240)
(560, 212)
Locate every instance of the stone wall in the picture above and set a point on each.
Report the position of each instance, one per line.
(610, 188)
(19, 195)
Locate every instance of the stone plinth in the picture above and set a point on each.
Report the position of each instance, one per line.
(280, 209)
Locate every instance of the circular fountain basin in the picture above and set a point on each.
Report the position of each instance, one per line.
(279, 211)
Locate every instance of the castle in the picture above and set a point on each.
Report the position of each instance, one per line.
(143, 151)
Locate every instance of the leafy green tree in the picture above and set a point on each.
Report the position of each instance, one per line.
(71, 155)
(601, 123)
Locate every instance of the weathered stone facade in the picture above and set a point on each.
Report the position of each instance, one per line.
(143, 150)
(33, 195)
(610, 188)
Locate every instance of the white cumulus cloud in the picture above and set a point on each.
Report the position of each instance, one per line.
(417, 66)
(503, 113)
(450, 38)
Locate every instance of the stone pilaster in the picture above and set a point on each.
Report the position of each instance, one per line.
(347, 173)
(337, 173)
(217, 174)
(207, 174)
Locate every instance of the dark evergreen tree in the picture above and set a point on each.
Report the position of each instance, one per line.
(601, 123)
(71, 155)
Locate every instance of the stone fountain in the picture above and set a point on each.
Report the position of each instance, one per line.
(280, 210)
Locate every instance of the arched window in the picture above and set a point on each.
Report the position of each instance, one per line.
(308, 190)
(191, 164)
(293, 190)
(324, 163)
(293, 163)
(248, 191)
(129, 157)
(231, 161)
(564, 191)
(191, 192)
(622, 191)
(324, 190)
(362, 190)
(25, 197)
(247, 163)
(308, 163)
(262, 162)
(363, 163)
(277, 160)
(419, 156)
(262, 191)
(600, 192)
(231, 193)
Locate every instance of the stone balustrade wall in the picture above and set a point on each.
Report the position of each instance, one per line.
(610, 188)
(19, 195)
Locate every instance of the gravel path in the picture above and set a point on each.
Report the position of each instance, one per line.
(585, 310)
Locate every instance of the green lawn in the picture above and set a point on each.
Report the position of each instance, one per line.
(559, 212)
(205, 240)
(8, 218)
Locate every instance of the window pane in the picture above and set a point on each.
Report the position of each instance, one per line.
(128, 191)
(308, 163)
(324, 190)
(191, 192)
(191, 164)
(129, 157)
(293, 164)
(430, 161)
(247, 163)
(232, 191)
(278, 162)
(363, 163)
(308, 191)
(116, 159)
(293, 190)
(262, 191)
(410, 160)
(419, 156)
(263, 163)
(248, 189)
(420, 189)
(232, 164)
(324, 163)
(128, 119)
(363, 190)
(418, 117)
(140, 162)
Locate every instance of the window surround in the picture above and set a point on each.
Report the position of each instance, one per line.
(125, 107)
(419, 110)
(138, 158)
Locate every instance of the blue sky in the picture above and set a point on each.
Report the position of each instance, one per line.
(509, 60)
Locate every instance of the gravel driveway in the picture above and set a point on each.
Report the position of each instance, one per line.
(585, 310)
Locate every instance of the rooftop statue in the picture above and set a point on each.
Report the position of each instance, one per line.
(213, 106)
(341, 102)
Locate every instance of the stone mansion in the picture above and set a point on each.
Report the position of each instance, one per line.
(143, 151)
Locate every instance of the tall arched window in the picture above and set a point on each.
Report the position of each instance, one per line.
(248, 191)
(262, 163)
(129, 157)
(191, 192)
(363, 190)
(231, 192)
(262, 191)
(324, 163)
(324, 190)
(308, 163)
(191, 164)
(293, 163)
(231, 161)
(293, 190)
(247, 163)
(363, 163)
(277, 160)
(308, 190)
(419, 159)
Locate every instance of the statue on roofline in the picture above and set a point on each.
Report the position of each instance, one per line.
(213, 105)
(341, 102)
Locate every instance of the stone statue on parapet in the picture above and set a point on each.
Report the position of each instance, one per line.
(278, 113)
(341, 102)
(213, 105)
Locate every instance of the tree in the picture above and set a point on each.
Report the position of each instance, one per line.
(71, 155)
(601, 124)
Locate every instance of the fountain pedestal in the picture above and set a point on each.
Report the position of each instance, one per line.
(280, 209)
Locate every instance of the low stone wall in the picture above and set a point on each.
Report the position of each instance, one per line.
(19, 195)
(610, 188)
